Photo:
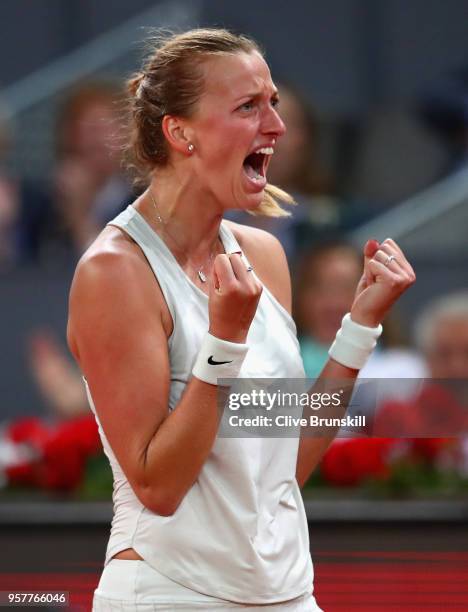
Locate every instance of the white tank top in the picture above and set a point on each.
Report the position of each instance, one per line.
(240, 533)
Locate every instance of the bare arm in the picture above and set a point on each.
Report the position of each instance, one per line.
(311, 449)
(379, 287)
(117, 334)
(271, 266)
(377, 290)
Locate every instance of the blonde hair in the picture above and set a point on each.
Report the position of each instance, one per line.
(171, 82)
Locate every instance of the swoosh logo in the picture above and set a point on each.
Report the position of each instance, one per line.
(212, 362)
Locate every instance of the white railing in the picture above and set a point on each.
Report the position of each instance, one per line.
(430, 211)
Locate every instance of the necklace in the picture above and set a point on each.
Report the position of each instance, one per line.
(201, 270)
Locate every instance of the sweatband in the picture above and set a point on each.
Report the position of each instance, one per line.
(219, 359)
(354, 343)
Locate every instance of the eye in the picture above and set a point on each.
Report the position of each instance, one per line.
(275, 102)
(247, 106)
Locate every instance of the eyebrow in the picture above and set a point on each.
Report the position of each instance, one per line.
(257, 94)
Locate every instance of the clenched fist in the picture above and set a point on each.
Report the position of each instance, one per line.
(234, 296)
(387, 274)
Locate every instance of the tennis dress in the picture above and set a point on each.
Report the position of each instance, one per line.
(240, 534)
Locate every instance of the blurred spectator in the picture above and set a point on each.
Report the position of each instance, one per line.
(325, 283)
(441, 333)
(440, 408)
(57, 378)
(90, 187)
(296, 168)
(24, 209)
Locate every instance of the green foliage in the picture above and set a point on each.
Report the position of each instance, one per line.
(97, 481)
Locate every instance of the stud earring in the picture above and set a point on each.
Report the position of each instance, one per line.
(191, 148)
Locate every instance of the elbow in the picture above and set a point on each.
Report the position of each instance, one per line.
(162, 503)
(163, 508)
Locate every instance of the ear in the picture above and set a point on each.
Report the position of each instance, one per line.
(177, 133)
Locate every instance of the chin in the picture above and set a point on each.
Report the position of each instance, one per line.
(247, 204)
(253, 201)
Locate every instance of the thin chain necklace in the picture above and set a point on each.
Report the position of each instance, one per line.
(201, 270)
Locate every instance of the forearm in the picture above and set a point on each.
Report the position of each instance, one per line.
(182, 442)
(386, 275)
(311, 448)
(180, 446)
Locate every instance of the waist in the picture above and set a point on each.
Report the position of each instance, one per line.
(128, 555)
(137, 582)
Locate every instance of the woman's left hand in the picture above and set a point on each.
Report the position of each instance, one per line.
(387, 274)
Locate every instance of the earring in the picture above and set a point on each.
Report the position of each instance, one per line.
(191, 148)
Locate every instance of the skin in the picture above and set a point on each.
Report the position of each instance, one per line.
(447, 355)
(327, 294)
(87, 165)
(160, 453)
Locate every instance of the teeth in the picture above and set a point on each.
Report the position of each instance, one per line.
(266, 151)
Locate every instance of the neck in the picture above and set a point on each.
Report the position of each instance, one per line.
(188, 219)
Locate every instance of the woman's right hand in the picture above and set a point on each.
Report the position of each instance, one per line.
(234, 297)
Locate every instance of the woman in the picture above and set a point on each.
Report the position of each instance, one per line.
(203, 522)
(89, 186)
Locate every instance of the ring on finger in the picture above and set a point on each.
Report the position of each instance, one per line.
(389, 260)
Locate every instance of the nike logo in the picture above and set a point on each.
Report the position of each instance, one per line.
(212, 362)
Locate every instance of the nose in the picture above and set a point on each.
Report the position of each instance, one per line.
(272, 123)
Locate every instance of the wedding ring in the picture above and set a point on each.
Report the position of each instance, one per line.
(390, 258)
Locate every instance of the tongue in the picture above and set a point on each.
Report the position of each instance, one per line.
(251, 172)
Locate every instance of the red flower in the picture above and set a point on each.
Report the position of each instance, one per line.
(440, 412)
(81, 432)
(66, 451)
(62, 466)
(30, 430)
(429, 448)
(351, 461)
(62, 452)
(23, 474)
(398, 419)
(434, 413)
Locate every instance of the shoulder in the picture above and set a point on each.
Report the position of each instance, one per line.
(113, 256)
(112, 280)
(265, 253)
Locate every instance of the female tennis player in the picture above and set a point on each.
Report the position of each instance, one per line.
(169, 299)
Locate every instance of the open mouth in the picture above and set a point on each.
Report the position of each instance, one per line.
(255, 166)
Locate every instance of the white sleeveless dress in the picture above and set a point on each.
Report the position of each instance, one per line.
(240, 535)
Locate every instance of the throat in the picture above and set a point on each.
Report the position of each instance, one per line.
(251, 172)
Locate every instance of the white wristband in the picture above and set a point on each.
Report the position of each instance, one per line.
(219, 359)
(354, 343)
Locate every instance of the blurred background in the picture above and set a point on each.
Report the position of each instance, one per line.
(375, 98)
